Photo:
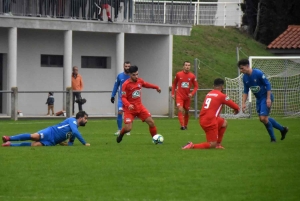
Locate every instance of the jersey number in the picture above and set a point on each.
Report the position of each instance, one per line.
(207, 103)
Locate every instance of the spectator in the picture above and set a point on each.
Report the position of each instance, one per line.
(74, 10)
(60, 8)
(77, 86)
(128, 6)
(94, 9)
(6, 5)
(83, 7)
(106, 6)
(50, 103)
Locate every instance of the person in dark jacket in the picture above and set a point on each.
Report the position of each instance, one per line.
(50, 103)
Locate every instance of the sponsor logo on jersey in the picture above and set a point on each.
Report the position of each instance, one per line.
(75, 122)
(184, 85)
(255, 89)
(254, 80)
(215, 95)
(127, 120)
(136, 94)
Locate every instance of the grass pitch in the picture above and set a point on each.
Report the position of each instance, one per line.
(250, 168)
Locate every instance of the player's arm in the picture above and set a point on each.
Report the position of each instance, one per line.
(195, 83)
(245, 96)
(76, 133)
(124, 95)
(81, 84)
(152, 86)
(267, 84)
(116, 87)
(174, 85)
(227, 101)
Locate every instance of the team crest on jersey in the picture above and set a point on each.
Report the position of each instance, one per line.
(75, 122)
(69, 135)
(136, 94)
(139, 85)
(263, 77)
(123, 93)
(127, 120)
(189, 79)
(227, 98)
(255, 89)
(254, 80)
(184, 85)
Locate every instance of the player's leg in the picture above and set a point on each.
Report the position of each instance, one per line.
(20, 137)
(52, 109)
(179, 103)
(120, 116)
(186, 106)
(145, 116)
(263, 112)
(222, 126)
(283, 130)
(128, 119)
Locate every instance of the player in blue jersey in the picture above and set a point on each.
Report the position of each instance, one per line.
(53, 135)
(121, 78)
(256, 81)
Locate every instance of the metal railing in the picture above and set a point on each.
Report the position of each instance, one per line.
(140, 11)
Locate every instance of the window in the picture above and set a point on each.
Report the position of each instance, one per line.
(95, 62)
(52, 60)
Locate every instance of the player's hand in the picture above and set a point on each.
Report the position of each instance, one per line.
(158, 90)
(269, 103)
(173, 96)
(87, 144)
(63, 143)
(112, 100)
(130, 107)
(190, 95)
(235, 112)
(243, 107)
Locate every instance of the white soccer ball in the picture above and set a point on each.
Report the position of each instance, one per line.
(158, 139)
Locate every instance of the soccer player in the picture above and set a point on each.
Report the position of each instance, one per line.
(209, 119)
(183, 82)
(132, 102)
(53, 135)
(260, 86)
(121, 78)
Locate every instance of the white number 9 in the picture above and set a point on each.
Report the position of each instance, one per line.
(207, 103)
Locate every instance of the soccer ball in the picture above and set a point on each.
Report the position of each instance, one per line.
(158, 139)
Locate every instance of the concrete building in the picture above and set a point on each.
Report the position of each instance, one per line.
(37, 54)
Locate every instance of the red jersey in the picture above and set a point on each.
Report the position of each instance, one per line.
(183, 81)
(212, 106)
(132, 93)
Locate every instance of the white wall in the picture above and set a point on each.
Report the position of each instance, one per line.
(150, 54)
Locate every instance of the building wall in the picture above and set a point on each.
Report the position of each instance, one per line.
(149, 52)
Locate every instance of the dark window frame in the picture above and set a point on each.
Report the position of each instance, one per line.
(95, 62)
(49, 60)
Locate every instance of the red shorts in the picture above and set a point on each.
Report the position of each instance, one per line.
(142, 114)
(185, 103)
(212, 130)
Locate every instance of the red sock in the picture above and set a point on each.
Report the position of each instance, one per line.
(108, 14)
(122, 132)
(186, 119)
(203, 145)
(153, 130)
(180, 118)
(221, 134)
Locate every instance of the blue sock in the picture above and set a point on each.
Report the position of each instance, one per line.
(270, 130)
(276, 124)
(20, 137)
(28, 144)
(119, 121)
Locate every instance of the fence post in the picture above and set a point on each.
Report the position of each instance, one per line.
(14, 103)
(69, 101)
(196, 94)
(165, 7)
(171, 104)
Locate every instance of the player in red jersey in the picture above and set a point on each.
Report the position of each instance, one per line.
(184, 81)
(132, 102)
(210, 120)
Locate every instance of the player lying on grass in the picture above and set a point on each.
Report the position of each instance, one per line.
(210, 120)
(53, 135)
(255, 80)
(132, 103)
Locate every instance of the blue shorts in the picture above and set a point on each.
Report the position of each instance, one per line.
(261, 106)
(46, 137)
(120, 105)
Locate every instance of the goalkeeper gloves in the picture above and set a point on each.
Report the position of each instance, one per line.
(112, 99)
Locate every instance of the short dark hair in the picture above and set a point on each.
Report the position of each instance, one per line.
(243, 62)
(126, 62)
(133, 69)
(50, 93)
(218, 82)
(186, 62)
(81, 114)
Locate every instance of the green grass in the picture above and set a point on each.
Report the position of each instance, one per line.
(215, 47)
(250, 168)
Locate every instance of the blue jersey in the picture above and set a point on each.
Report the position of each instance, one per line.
(121, 78)
(257, 83)
(67, 129)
